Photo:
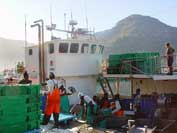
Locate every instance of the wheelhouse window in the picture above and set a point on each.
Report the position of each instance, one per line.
(51, 48)
(84, 48)
(63, 48)
(51, 63)
(101, 49)
(93, 49)
(74, 48)
(30, 51)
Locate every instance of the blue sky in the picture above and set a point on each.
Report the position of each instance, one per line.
(102, 14)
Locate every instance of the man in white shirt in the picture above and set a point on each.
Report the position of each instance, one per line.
(86, 98)
(117, 104)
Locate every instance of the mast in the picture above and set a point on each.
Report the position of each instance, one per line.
(51, 23)
(64, 21)
(86, 18)
(25, 37)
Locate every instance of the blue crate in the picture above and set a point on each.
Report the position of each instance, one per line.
(43, 102)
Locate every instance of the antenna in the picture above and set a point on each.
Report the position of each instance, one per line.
(68, 30)
(64, 21)
(71, 15)
(25, 35)
(51, 23)
(25, 32)
(65, 24)
(86, 18)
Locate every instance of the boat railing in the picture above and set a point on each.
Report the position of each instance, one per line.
(164, 66)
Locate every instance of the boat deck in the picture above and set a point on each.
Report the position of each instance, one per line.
(143, 76)
(79, 127)
(74, 127)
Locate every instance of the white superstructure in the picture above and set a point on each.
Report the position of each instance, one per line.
(78, 61)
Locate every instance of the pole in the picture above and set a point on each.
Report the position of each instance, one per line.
(25, 38)
(42, 50)
(51, 21)
(65, 21)
(86, 18)
(39, 44)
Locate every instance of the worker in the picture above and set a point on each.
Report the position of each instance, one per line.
(169, 56)
(85, 99)
(96, 100)
(117, 108)
(10, 81)
(137, 103)
(63, 91)
(25, 79)
(104, 103)
(53, 101)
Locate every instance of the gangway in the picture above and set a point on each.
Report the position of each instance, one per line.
(103, 83)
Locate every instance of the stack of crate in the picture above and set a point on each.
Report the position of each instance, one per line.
(148, 62)
(121, 63)
(133, 63)
(19, 108)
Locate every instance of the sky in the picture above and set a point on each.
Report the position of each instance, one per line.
(101, 14)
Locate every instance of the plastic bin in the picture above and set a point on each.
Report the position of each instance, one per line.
(14, 128)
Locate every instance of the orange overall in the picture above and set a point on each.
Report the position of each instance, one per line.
(53, 102)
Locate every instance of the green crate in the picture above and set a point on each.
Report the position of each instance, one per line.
(126, 69)
(34, 99)
(113, 70)
(13, 100)
(128, 56)
(115, 57)
(4, 114)
(15, 128)
(110, 71)
(140, 66)
(16, 90)
(34, 116)
(146, 62)
(7, 110)
(35, 124)
(34, 107)
(113, 63)
(9, 120)
(35, 89)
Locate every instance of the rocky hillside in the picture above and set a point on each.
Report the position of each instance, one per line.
(138, 33)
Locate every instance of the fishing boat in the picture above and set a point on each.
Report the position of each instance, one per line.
(76, 59)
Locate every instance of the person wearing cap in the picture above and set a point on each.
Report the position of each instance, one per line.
(53, 101)
(137, 102)
(117, 108)
(85, 99)
(169, 56)
(25, 80)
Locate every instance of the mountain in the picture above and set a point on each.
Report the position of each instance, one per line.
(11, 52)
(138, 33)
